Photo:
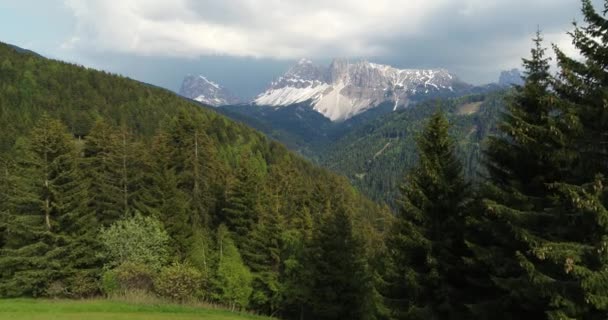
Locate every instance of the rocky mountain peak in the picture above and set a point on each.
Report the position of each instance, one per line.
(203, 90)
(510, 77)
(346, 88)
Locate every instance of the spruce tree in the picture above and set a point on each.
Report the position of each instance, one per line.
(583, 84)
(240, 212)
(114, 168)
(568, 260)
(425, 275)
(262, 254)
(164, 199)
(194, 159)
(45, 214)
(338, 280)
(526, 156)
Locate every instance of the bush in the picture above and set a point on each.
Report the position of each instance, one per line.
(138, 239)
(178, 282)
(56, 289)
(128, 277)
(109, 283)
(83, 285)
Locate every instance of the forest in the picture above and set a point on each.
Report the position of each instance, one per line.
(110, 187)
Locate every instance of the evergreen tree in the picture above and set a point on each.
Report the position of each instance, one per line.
(194, 159)
(425, 276)
(568, 262)
(44, 213)
(583, 84)
(162, 197)
(262, 253)
(240, 211)
(114, 166)
(528, 154)
(338, 279)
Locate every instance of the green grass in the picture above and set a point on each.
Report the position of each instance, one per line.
(39, 309)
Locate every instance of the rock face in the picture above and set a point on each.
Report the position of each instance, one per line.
(201, 89)
(510, 77)
(346, 89)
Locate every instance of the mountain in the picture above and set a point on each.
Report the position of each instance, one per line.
(203, 90)
(510, 77)
(346, 89)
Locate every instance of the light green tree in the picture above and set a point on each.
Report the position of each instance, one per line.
(233, 279)
(138, 239)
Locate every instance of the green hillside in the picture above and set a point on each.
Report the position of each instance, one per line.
(376, 155)
(109, 185)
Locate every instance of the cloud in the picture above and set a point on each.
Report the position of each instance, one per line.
(262, 28)
(472, 35)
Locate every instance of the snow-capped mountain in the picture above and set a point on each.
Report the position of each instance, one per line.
(201, 89)
(346, 89)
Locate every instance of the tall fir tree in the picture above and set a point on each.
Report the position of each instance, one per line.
(339, 283)
(262, 254)
(584, 85)
(526, 156)
(114, 167)
(425, 278)
(164, 199)
(194, 159)
(240, 212)
(573, 249)
(45, 214)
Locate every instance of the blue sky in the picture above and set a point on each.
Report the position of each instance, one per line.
(244, 44)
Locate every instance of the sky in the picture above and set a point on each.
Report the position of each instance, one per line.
(244, 44)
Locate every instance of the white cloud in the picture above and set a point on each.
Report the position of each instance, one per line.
(474, 38)
(262, 28)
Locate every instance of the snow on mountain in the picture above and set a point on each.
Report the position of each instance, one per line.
(346, 89)
(201, 89)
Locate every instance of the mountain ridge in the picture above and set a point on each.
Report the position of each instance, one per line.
(346, 89)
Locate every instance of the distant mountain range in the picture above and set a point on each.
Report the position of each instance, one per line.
(346, 88)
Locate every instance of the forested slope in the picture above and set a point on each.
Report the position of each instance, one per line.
(376, 155)
(87, 156)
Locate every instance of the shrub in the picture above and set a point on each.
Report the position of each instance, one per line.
(138, 239)
(178, 282)
(128, 277)
(83, 284)
(56, 289)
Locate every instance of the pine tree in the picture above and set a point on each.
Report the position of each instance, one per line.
(528, 154)
(262, 254)
(164, 199)
(114, 168)
(338, 280)
(240, 210)
(44, 214)
(194, 159)
(425, 277)
(583, 84)
(568, 260)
